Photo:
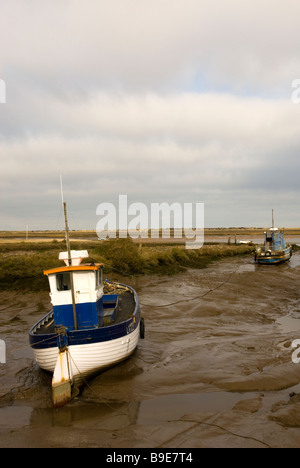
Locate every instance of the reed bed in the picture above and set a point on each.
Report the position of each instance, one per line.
(22, 263)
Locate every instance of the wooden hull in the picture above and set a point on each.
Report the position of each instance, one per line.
(271, 258)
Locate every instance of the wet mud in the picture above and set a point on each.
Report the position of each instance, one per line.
(214, 370)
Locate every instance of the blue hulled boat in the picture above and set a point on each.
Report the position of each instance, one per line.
(274, 249)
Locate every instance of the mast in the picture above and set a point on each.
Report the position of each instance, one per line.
(70, 263)
(272, 219)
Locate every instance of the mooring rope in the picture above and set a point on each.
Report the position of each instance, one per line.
(98, 401)
(192, 298)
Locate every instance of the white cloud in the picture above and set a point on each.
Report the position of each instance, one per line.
(141, 135)
(157, 44)
(164, 99)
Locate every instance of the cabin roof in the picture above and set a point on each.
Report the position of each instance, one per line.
(94, 267)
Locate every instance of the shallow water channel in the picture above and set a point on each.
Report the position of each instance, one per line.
(214, 370)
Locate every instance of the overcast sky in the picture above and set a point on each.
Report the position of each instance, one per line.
(161, 100)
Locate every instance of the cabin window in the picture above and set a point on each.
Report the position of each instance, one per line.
(63, 281)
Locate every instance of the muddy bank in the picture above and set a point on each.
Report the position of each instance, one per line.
(215, 368)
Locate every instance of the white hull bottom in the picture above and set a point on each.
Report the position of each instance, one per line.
(89, 359)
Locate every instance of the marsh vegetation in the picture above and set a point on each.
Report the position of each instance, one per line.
(22, 263)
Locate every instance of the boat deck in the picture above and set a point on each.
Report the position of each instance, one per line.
(125, 311)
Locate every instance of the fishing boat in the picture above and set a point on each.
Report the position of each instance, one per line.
(274, 249)
(93, 325)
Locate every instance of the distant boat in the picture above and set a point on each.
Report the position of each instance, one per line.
(92, 326)
(274, 249)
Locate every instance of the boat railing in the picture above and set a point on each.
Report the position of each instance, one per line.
(264, 249)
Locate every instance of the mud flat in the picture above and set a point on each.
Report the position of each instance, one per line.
(215, 368)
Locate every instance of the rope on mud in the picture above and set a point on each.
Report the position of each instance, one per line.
(192, 298)
(93, 392)
(198, 423)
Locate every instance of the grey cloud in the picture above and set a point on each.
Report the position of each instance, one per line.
(174, 100)
(154, 45)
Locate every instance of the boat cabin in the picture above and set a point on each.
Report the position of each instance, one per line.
(274, 240)
(87, 294)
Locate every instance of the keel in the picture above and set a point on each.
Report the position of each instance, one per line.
(61, 394)
(62, 380)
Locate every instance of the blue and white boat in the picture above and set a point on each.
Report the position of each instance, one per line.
(274, 249)
(93, 325)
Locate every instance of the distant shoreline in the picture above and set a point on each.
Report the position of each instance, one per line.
(90, 235)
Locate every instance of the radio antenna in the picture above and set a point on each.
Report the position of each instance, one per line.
(61, 190)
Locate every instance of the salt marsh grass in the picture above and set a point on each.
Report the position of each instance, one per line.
(22, 263)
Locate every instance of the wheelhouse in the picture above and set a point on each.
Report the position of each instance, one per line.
(87, 281)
